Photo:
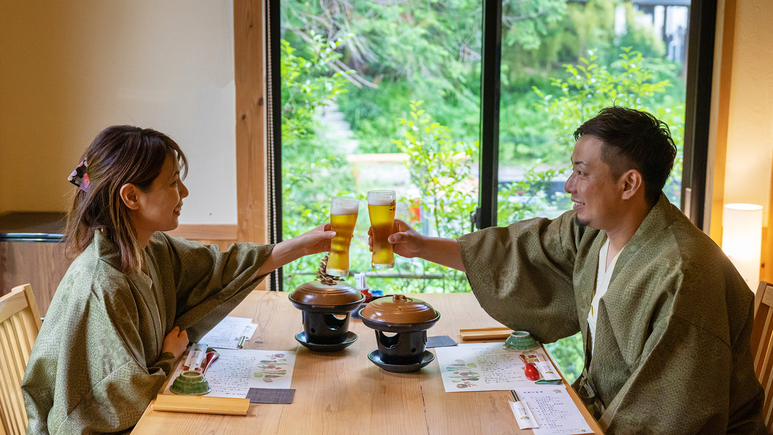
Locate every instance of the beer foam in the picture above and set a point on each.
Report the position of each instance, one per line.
(344, 205)
(381, 198)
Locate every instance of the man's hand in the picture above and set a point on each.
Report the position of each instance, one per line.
(176, 342)
(405, 241)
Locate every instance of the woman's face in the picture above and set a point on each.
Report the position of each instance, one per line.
(159, 206)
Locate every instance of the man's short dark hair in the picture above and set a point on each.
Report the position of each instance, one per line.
(634, 139)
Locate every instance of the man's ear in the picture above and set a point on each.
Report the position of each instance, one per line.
(632, 183)
(129, 196)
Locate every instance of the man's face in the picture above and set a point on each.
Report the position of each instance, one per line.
(596, 195)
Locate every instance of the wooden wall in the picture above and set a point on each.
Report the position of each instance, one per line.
(221, 235)
(741, 153)
(41, 264)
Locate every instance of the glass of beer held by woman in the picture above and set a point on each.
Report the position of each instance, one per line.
(343, 217)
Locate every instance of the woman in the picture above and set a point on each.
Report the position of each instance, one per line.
(133, 298)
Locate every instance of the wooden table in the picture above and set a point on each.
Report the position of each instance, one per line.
(344, 393)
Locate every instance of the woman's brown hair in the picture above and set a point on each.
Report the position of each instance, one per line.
(119, 155)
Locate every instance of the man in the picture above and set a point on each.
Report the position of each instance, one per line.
(665, 317)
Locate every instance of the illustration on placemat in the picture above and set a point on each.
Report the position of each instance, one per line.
(461, 373)
(488, 366)
(271, 368)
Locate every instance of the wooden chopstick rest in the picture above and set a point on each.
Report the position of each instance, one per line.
(201, 404)
(496, 333)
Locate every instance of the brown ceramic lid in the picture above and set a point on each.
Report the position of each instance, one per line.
(327, 293)
(399, 309)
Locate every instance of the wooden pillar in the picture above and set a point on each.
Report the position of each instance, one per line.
(249, 71)
(249, 37)
(766, 253)
(720, 113)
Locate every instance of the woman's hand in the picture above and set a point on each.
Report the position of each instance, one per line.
(310, 242)
(314, 241)
(175, 342)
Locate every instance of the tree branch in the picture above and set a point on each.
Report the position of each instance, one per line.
(337, 65)
(515, 19)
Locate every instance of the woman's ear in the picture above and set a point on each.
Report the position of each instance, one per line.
(129, 196)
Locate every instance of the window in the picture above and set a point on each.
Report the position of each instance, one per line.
(458, 111)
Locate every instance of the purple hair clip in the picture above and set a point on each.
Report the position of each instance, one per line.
(79, 177)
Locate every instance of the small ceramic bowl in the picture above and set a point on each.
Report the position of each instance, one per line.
(520, 341)
(190, 383)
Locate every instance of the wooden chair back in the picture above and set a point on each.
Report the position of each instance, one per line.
(762, 351)
(19, 326)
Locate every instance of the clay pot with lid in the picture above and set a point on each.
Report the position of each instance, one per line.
(408, 319)
(326, 306)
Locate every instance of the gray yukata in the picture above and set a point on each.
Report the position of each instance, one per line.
(672, 352)
(97, 362)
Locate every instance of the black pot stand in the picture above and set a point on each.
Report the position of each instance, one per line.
(426, 358)
(401, 348)
(324, 328)
(405, 350)
(351, 337)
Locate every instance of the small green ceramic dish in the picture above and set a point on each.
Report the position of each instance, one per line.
(520, 341)
(190, 383)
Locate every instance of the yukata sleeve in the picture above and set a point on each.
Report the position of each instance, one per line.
(210, 283)
(104, 382)
(522, 275)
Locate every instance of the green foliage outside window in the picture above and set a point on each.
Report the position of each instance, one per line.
(630, 82)
(312, 171)
(440, 168)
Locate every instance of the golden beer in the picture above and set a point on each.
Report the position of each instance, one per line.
(381, 208)
(343, 217)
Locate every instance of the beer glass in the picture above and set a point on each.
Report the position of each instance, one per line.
(381, 208)
(343, 216)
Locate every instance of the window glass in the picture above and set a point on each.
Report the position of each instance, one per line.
(381, 95)
(586, 56)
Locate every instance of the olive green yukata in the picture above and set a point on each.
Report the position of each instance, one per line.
(97, 362)
(672, 344)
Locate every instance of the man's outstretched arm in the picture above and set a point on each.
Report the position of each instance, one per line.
(409, 244)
